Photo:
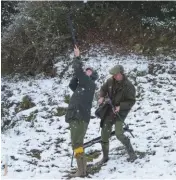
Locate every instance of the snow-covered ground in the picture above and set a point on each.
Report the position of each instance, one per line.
(153, 120)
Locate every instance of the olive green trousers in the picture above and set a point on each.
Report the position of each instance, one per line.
(107, 128)
(78, 130)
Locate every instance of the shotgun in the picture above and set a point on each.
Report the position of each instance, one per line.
(90, 143)
(126, 127)
(70, 23)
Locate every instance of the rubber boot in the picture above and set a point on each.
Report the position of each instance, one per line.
(130, 150)
(82, 166)
(105, 149)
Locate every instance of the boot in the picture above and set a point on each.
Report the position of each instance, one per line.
(130, 150)
(105, 149)
(82, 166)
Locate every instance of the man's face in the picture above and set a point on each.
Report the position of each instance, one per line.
(88, 72)
(118, 77)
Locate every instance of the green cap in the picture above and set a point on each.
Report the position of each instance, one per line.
(116, 69)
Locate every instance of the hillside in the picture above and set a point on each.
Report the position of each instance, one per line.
(37, 140)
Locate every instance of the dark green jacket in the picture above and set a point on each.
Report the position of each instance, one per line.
(83, 88)
(121, 93)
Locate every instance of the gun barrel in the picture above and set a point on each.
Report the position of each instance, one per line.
(71, 28)
(96, 140)
(93, 141)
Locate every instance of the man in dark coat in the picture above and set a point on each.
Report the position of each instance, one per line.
(122, 94)
(79, 109)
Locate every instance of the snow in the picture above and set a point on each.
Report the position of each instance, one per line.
(153, 120)
(155, 21)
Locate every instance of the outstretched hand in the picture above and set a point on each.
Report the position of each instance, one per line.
(76, 51)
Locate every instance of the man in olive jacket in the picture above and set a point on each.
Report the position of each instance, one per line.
(122, 94)
(79, 109)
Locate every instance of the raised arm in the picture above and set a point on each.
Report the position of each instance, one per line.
(73, 83)
(77, 66)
